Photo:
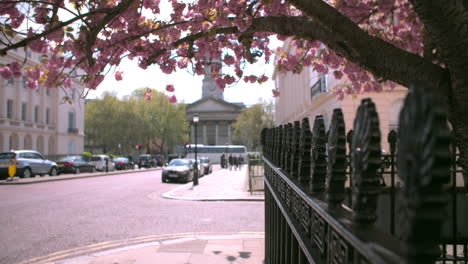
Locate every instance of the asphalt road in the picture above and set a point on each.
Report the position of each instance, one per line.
(39, 219)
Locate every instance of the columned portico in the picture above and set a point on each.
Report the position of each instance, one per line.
(215, 114)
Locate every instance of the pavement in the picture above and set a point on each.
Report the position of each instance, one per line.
(187, 248)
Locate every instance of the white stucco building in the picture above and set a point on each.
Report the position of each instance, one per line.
(309, 94)
(39, 119)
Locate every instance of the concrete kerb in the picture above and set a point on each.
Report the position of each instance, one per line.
(58, 178)
(167, 239)
(170, 195)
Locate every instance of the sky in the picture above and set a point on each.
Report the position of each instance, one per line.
(188, 87)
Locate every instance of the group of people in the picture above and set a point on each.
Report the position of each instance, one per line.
(232, 161)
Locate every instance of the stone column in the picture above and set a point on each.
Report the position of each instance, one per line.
(216, 134)
(204, 133)
(229, 133)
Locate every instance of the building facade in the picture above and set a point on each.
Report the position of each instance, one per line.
(39, 119)
(310, 93)
(216, 116)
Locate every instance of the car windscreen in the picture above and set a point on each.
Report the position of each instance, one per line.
(95, 158)
(70, 159)
(178, 162)
(7, 155)
(120, 159)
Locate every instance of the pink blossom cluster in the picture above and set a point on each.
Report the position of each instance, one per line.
(95, 42)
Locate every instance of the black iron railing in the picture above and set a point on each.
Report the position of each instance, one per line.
(324, 206)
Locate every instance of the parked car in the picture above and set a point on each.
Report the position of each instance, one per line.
(146, 161)
(201, 170)
(206, 164)
(159, 159)
(28, 164)
(101, 161)
(178, 169)
(75, 164)
(123, 163)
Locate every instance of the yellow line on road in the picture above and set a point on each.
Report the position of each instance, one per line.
(106, 245)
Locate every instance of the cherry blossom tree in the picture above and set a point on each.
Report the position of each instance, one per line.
(376, 43)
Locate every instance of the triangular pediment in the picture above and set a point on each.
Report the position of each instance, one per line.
(212, 105)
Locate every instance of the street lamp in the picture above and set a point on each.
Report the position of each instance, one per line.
(195, 178)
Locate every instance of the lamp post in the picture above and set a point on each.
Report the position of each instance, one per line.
(195, 178)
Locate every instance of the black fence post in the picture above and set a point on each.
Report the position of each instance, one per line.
(318, 167)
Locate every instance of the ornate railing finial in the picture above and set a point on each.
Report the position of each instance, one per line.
(423, 162)
(295, 141)
(366, 161)
(304, 155)
(318, 167)
(336, 169)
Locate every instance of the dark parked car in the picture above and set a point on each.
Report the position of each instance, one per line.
(206, 164)
(75, 164)
(123, 163)
(28, 164)
(146, 161)
(178, 170)
(159, 160)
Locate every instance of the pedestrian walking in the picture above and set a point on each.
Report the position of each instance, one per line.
(223, 161)
(234, 162)
(230, 160)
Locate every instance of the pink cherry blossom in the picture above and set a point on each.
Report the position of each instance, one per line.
(229, 60)
(173, 99)
(338, 74)
(32, 84)
(275, 92)
(118, 75)
(170, 88)
(6, 73)
(68, 83)
(16, 69)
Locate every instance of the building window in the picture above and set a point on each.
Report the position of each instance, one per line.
(10, 109)
(24, 111)
(320, 86)
(23, 81)
(71, 122)
(11, 82)
(47, 91)
(73, 94)
(47, 116)
(36, 114)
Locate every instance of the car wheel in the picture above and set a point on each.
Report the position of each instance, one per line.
(93, 170)
(77, 170)
(27, 173)
(53, 172)
(163, 179)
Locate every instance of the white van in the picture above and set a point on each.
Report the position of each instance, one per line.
(100, 161)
